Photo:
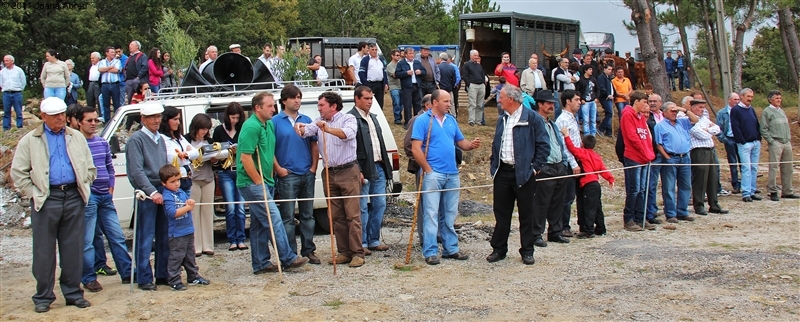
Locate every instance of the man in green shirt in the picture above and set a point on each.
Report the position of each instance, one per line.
(775, 129)
(257, 144)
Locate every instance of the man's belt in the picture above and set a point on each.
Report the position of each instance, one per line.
(10, 91)
(375, 81)
(701, 148)
(63, 187)
(506, 165)
(343, 166)
(680, 155)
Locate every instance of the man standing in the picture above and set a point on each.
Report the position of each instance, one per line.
(672, 142)
(146, 154)
(52, 166)
(441, 172)
(342, 167)
(532, 79)
(474, 76)
(507, 69)
(93, 81)
(571, 100)
(109, 83)
(296, 162)
(514, 162)
(669, 66)
(12, 82)
(705, 177)
(747, 135)
(371, 73)
(775, 129)
(587, 86)
(212, 52)
(410, 72)
(255, 157)
(577, 56)
(447, 77)
(631, 68)
(548, 200)
(376, 168)
(606, 97)
(123, 59)
(638, 153)
(136, 69)
(562, 80)
(394, 87)
(431, 77)
(457, 87)
(726, 137)
(100, 210)
(354, 61)
(681, 67)
(654, 117)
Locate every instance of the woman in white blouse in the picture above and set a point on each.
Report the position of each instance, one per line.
(172, 133)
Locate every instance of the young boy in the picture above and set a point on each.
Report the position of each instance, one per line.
(591, 217)
(181, 230)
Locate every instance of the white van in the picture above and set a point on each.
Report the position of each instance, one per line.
(126, 120)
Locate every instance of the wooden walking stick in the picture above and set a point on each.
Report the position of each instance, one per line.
(269, 217)
(328, 193)
(419, 196)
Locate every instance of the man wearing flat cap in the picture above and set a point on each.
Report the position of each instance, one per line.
(577, 56)
(146, 154)
(53, 166)
(705, 172)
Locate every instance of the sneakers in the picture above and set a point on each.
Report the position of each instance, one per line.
(93, 286)
(178, 287)
(107, 271)
(632, 226)
(199, 281)
(723, 192)
(356, 262)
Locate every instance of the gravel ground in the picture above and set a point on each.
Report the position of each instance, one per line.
(741, 266)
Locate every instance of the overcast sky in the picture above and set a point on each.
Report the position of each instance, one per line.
(595, 15)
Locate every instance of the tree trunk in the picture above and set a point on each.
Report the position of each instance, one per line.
(788, 52)
(792, 44)
(738, 46)
(711, 45)
(641, 15)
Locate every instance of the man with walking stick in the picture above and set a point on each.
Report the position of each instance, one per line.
(254, 163)
(342, 176)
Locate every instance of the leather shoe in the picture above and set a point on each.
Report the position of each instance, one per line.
(791, 196)
(747, 199)
(313, 259)
(458, 256)
(41, 307)
(654, 221)
(268, 269)
(755, 197)
(367, 252)
(298, 262)
(93, 286)
(162, 281)
(558, 239)
(380, 248)
(357, 262)
(340, 259)
(528, 260)
(433, 260)
(774, 197)
(718, 211)
(758, 191)
(147, 287)
(566, 233)
(539, 242)
(494, 257)
(701, 212)
(81, 303)
(687, 218)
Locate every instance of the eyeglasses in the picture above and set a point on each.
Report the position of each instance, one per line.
(93, 120)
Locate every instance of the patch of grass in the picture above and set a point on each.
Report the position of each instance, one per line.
(334, 304)
(726, 246)
(402, 267)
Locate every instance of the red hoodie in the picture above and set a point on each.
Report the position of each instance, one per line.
(590, 162)
(636, 136)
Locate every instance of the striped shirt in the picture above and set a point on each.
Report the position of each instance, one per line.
(702, 133)
(109, 77)
(507, 142)
(339, 151)
(101, 155)
(567, 120)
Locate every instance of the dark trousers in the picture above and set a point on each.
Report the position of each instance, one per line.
(377, 92)
(410, 97)
(92, 94)
(427, 88)
(181, 254)
(110, 91)
(570, 187)
(506, 192)
(346, 213)
(548, 201)
(60, 219)
(455, 99)
(593, 220)
(732, 152)
(704, 179)
(151, 225)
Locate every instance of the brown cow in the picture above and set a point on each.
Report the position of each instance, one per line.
(615, 60)
(347, 74)
(640, 70)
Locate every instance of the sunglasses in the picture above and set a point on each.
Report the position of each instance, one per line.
(93, 120)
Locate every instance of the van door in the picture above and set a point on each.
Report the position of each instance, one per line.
(117, 138)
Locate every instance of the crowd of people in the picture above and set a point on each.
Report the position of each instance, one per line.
(542, 164)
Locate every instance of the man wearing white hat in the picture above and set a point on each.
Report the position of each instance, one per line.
(53, 166)
(236, 48)
(146, 154)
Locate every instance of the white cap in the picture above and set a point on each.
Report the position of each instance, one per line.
(52, 106)
(151, 109)
(234, 46)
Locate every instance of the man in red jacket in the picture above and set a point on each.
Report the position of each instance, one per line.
(638, 153)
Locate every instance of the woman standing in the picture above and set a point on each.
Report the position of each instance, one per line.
(168, 79)
(203, 184)
(155, 67)
(74, 84)
(228, 131)
(172, 133)
(55, 76)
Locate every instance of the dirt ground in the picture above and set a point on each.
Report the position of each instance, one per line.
(741, 266)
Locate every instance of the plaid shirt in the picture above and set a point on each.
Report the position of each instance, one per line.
(507, 143)
(567, 120)
(702, 133)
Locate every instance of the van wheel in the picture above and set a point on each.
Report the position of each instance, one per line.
(321, 217)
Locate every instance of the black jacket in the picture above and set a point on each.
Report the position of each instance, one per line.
(582, 86)
(472, 73)
(604, 87)
(364, 148)
(447, 76)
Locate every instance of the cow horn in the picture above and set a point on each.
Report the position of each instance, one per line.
(544, 52)
(564, 53)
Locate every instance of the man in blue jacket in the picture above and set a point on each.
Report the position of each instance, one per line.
(410, 73)
(669, 65)
(726, 137)
(606, 97)
(515, 160)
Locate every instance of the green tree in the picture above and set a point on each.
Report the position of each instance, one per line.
(484, 6)
(176, 41)
(765, 66)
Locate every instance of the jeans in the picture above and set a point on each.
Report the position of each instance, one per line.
(608, 113)
(671, 78)
(372, 213)
(60, 92)
(101, 206)
(397, 106)
(635, 186)
(12, 99)
(109, 91)
(732, 152)
(108, 225)
(748, 156)
(432, 216)
(151, 223)
(620, 107)
(295, 186)
(122, 91)
(260, 232)
(652, 187)
(234, 214)
(154, 89)
(589, 112)
(90, 219)
(677, 170)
